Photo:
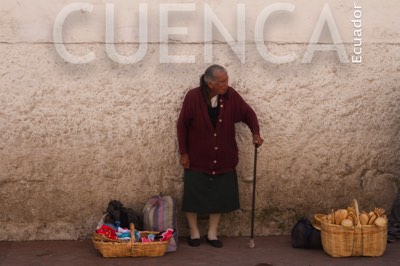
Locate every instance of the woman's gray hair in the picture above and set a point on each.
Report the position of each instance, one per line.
(210, 71)
(208, 76)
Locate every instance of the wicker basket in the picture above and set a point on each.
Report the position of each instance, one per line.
(359, 240)
(119, 248)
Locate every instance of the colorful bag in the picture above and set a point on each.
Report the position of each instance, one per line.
(159, 214)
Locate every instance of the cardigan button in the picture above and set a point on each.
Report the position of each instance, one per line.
(215, 134)
(222, 106)
(215, 161)
(213, 172)
(220, 120)
(216, 148)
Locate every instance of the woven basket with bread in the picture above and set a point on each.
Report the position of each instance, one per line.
(349, 232)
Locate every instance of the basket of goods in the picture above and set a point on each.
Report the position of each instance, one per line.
(349, 232)
(118, 242)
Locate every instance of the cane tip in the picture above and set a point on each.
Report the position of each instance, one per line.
(252, 244)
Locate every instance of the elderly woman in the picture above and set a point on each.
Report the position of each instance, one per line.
(209, 153)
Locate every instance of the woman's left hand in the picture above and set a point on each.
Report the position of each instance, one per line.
(257, 140)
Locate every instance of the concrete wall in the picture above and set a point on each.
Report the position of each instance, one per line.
(74, 136)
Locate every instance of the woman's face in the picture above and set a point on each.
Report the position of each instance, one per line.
(220, 84)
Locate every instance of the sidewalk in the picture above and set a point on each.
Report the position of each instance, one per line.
(272, 250)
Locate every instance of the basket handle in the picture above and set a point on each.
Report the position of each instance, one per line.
(132, 228)
(133, 238)
(357, 212)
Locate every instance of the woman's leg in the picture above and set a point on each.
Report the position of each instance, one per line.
(192, 220)
(213, 226)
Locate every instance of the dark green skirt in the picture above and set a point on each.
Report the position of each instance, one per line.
(204, 193)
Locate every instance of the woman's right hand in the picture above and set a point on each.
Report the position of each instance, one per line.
(184, 160)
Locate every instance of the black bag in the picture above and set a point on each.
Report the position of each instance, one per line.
(304, 235)
(394, 221)
(394, 217)
(119, 215)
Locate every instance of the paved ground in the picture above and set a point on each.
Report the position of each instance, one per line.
(273, 250)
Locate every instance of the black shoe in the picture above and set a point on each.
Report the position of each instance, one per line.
(215, 243)
(193, 242)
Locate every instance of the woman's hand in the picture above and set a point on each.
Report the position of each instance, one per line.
(184, 160)
(257, 140)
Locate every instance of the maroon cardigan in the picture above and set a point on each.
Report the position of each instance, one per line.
(213, 151)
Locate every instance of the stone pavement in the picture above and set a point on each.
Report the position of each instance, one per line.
(272, 250)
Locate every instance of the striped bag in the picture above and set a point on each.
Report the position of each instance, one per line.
(159, 214)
